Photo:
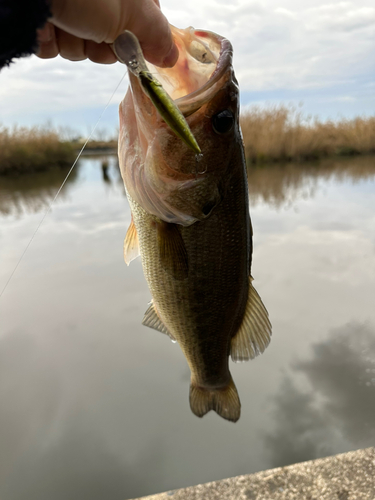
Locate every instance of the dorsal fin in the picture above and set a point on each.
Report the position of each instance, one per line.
(255, 332)
(131, 245)
(152, 320)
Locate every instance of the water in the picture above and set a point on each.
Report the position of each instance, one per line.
(94, 405)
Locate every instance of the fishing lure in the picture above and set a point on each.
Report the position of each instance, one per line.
(128, 51)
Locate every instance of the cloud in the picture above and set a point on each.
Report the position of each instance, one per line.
(335, 410)
(58, 442)
(293, 46)
(43, 88)
(341, 16)
(303, 50)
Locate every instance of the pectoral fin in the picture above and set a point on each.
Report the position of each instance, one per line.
(152, 320)
(172, 251)
(254, 334)
(131, 245)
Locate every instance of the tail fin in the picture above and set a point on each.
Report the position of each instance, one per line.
(224, 401)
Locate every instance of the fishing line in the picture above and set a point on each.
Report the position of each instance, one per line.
(49, 208)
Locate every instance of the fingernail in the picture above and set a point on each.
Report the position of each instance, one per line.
(45, 33)
(171, 58)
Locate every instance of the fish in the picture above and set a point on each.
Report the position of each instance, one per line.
(190, 220)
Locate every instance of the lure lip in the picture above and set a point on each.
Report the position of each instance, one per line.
(128, 51)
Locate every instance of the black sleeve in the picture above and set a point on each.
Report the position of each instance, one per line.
(19, 20)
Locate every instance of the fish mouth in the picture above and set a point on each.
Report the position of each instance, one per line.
(204, 60)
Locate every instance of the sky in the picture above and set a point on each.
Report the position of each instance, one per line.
(313, 54)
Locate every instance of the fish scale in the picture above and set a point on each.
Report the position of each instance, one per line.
(215, 293)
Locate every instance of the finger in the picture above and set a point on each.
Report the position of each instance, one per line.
(152, 30)
(142, 17)
(47, 45)
(99, 52)
(70, 46)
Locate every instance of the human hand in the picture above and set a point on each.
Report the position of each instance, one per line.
(81, 29)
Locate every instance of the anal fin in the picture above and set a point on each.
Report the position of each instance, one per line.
(131, 244)
(152, 320)
(255, 332)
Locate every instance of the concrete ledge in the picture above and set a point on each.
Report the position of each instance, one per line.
(349, 476)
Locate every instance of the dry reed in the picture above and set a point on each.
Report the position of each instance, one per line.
(281, 133)
(30, 149)
(276, 133)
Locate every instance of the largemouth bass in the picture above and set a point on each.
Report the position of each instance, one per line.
(190, 219)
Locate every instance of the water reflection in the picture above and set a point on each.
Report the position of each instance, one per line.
(338, 404)
(90, 470)
(24, 194)
(106, 177)
(92, 400)
(275, 184)
(281, 185)
(33, 192)
(51, 455)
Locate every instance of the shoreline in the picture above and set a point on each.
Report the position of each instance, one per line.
(250, 164)
(277, 134)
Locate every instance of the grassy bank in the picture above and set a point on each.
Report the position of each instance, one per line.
(283, 134)
(270, 134)
(32, 149)
(98, 146)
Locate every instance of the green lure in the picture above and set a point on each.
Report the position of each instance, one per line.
(128, 51)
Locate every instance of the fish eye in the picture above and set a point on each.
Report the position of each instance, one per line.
(223, 122)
